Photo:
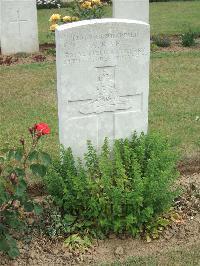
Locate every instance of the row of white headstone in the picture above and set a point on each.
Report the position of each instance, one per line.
(18, 22)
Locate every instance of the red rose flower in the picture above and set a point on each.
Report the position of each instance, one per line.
(42, 129)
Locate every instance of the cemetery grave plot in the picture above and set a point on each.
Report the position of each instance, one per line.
(164, 115)
(104, 102)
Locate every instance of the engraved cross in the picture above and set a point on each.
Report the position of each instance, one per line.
(18, 20)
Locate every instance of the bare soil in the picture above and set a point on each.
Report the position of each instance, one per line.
(176, 45)
(189, 165)
(183, 233)
(46, 54)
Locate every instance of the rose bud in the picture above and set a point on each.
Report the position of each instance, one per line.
(31, 129)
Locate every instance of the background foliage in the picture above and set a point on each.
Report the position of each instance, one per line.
(42, 4)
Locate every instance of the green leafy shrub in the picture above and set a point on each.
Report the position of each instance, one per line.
(188, 38)
(123, 189)
(161, 41)
(15, 205)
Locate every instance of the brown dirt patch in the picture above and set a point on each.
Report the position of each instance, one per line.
(46, 54)
(176, 45)
(189, 166)
(25, 59)
(180, 234)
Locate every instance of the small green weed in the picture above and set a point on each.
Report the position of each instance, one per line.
(161, 41)
(154, 47)
(188, 38)
(76, 242)
(51, 51)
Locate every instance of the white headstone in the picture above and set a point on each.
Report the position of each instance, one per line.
(131, 9)
(102, 80)
(19, 32)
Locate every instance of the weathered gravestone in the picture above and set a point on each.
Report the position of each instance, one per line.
(131, 9)
(102, 80)
(19, 32)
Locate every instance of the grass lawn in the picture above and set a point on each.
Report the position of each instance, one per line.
(165, 18)
(175, 98)
(28, 95)
(183, 257)
(174, 17)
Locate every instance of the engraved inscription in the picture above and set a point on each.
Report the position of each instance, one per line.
(92, 36)
(103, 47)
(108, 99)
(104, 55)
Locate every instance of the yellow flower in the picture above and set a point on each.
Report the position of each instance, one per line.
(67, 18)
(96, 2)
(75, 18)
(53, 27)
(86, 5)
(55, 17)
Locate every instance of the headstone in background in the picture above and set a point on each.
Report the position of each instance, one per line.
(102, 81)
(19, 29)
(131, 9)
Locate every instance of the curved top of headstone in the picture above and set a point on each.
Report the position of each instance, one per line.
(99, 21)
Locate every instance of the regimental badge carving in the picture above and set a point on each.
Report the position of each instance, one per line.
(108, 99)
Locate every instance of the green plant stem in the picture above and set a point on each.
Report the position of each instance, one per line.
(26, 155)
